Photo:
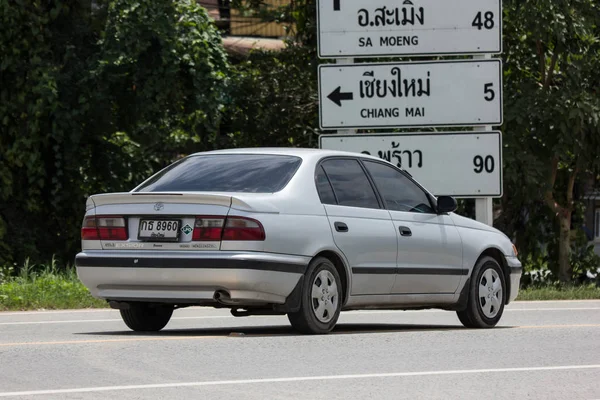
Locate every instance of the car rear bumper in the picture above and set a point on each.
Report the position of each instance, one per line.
(516, 270)
(180, 277)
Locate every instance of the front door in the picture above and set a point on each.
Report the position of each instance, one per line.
(429, 245)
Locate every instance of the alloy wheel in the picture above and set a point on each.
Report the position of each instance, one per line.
(490, 293)
(324, 296)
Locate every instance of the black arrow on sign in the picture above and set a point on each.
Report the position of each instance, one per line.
(336, 5)
(337, 96)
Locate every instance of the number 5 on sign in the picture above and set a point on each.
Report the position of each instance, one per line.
(488, 89)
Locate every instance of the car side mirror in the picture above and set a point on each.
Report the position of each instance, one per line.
(446, 204)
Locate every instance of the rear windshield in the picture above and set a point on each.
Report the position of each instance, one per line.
(245, 173)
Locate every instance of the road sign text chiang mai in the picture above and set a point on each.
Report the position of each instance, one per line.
(461, 164)
(378, 28)
(413, 94)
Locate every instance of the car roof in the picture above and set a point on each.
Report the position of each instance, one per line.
(304, 153)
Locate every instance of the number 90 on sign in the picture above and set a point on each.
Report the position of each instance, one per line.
(484, 164)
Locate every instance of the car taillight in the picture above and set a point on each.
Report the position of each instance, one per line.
(104, 228)
(238, 228)
(89, 231)
(210, 229)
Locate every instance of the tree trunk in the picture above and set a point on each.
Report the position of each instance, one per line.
(564, 247)
(564, 217)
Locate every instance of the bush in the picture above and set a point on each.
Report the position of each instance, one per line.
(51, 286)
(539, 271)
(273, 100)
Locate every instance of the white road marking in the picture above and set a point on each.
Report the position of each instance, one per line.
(555, 301)
(444, 311)
(293, 379)
(91, 310)
(99, 310)
(344, 314)
(77, 321)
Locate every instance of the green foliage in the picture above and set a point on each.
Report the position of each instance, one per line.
(162, 68)
(6, 272)
(560, 292)
(45, 287)
(274, 102)
(586, 265)
(552, 112)
(541, 267)
(94, 100)
(300, 16)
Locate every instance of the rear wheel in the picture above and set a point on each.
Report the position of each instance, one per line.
(143, 318)
(321, 299)
(487, 295)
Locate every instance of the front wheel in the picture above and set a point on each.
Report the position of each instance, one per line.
(141, 317)
(487, 295)
(321, 299)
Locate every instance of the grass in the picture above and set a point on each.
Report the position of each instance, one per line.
(49, 289)
(586, 292)
(39, 287)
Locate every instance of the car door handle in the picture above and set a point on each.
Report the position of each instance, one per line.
(405, 231)
(340, 227)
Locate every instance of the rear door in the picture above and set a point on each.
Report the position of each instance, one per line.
(429, 245)
(361, 228)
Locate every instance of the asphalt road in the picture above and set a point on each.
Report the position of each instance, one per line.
(541, 350)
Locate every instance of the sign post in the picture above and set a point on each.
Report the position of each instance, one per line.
(451, 93)
(484, 207)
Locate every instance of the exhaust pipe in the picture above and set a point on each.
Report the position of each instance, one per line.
(119, 305)
(223, 297)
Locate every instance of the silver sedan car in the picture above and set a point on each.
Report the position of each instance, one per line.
(303, 232)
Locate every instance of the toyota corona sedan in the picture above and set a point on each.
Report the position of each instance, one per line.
(299, 232)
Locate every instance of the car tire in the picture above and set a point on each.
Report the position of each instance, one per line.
(322, 295)
(486, 296)
(143, 318)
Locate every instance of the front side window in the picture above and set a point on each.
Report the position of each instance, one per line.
(350, 184)
(398, 192)
(241, 173)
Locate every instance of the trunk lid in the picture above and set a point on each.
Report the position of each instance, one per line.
(148, 215)
(166, 221)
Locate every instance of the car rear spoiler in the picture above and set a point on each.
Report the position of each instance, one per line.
(243, 202)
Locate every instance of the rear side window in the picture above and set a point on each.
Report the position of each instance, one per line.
(350, 184)
(242, 173)
(324, 187)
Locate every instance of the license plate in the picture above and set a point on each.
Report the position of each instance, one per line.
(159, 229)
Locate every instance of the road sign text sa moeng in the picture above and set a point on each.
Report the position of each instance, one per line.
(379, 28)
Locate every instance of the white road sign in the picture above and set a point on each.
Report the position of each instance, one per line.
(428, 93)
(376, 28)
(460, 164)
